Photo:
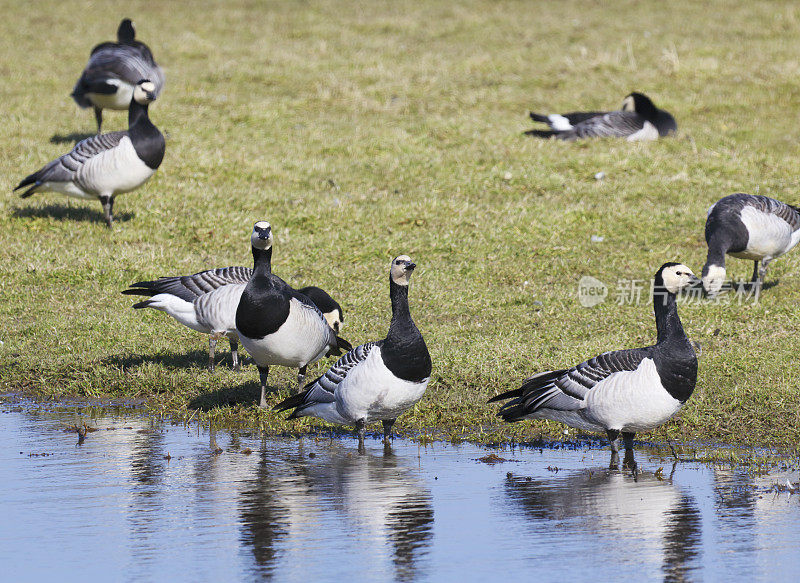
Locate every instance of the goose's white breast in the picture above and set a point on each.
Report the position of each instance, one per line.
(113, 171)
(302, 339)
(371, 392)
(631, 400)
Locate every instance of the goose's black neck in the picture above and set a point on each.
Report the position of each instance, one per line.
(147, 140)
(404, 351)
(262, 261)
(673, 354)
(668, 323)
(263, 308)
(401, 313)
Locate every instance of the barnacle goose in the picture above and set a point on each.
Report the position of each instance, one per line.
(638, 120)
(748, 227)
(106, 165)
(189, 287)
(622, 391)
(113, 71)
(377, 380)
(206, 301)
(275, 323)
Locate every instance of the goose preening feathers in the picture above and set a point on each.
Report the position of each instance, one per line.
(106, 165)
(206, 302)
(622, 391)
(375, 381)
(113, 71)
(276, 324)
(638, 120)
(748, 227)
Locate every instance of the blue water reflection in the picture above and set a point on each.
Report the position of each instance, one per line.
(140, 500)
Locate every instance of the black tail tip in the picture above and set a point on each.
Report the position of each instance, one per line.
(144, 304)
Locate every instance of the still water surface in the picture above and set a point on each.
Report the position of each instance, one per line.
(141, 500)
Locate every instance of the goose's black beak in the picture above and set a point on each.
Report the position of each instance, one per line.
(410, 266)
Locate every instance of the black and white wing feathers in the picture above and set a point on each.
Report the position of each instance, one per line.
(189, 287)
(323, 389)
(65, 168)
(566, 390)
(615, 124)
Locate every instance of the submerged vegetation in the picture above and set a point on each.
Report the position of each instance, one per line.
(368, 129)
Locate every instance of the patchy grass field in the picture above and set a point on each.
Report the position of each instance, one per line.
(362, 130)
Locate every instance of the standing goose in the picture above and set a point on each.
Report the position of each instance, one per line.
(278, 325)
(113, 71)
(106, 165)
(189, 287)
(207, 302)
(748, 227)
(375, 381)
(622, 391)
(638, 120)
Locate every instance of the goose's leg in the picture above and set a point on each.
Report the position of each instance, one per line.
(387, 429)
(754, 278)
(301, 376)
(762, 272)
(613, 436)
(98, 115)
(108, 204)
(263, 372)
(212, 345)
(235, 353)
(629, 462)
(360, 430)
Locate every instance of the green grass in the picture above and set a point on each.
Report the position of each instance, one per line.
(362, 130)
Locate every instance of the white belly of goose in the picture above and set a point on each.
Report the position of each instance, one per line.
(769, 235)
(628, 401)
(113, 171)
(631, 400)
(121, 99)
(371, 392)
(648, 133)
(301, 339)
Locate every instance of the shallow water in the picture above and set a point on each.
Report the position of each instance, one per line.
(140, 500)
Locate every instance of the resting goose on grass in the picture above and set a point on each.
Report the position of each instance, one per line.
(638, 120)
(622, 391)
(207, 302)
(375, 381)
(113, 70)
(748, 227)
(106, 165)
(278, 325)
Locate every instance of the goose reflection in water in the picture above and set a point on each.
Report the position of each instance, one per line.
(376, 502)
(617, 515)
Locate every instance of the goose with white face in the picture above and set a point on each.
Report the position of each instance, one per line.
(261, 238)
(401, 269)
(678, 277)
(144, 92)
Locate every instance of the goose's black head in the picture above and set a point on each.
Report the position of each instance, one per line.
(329, 307)
(126, 34)
(261, 238)
(644, 106)
(145, 92)
(400, 269)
